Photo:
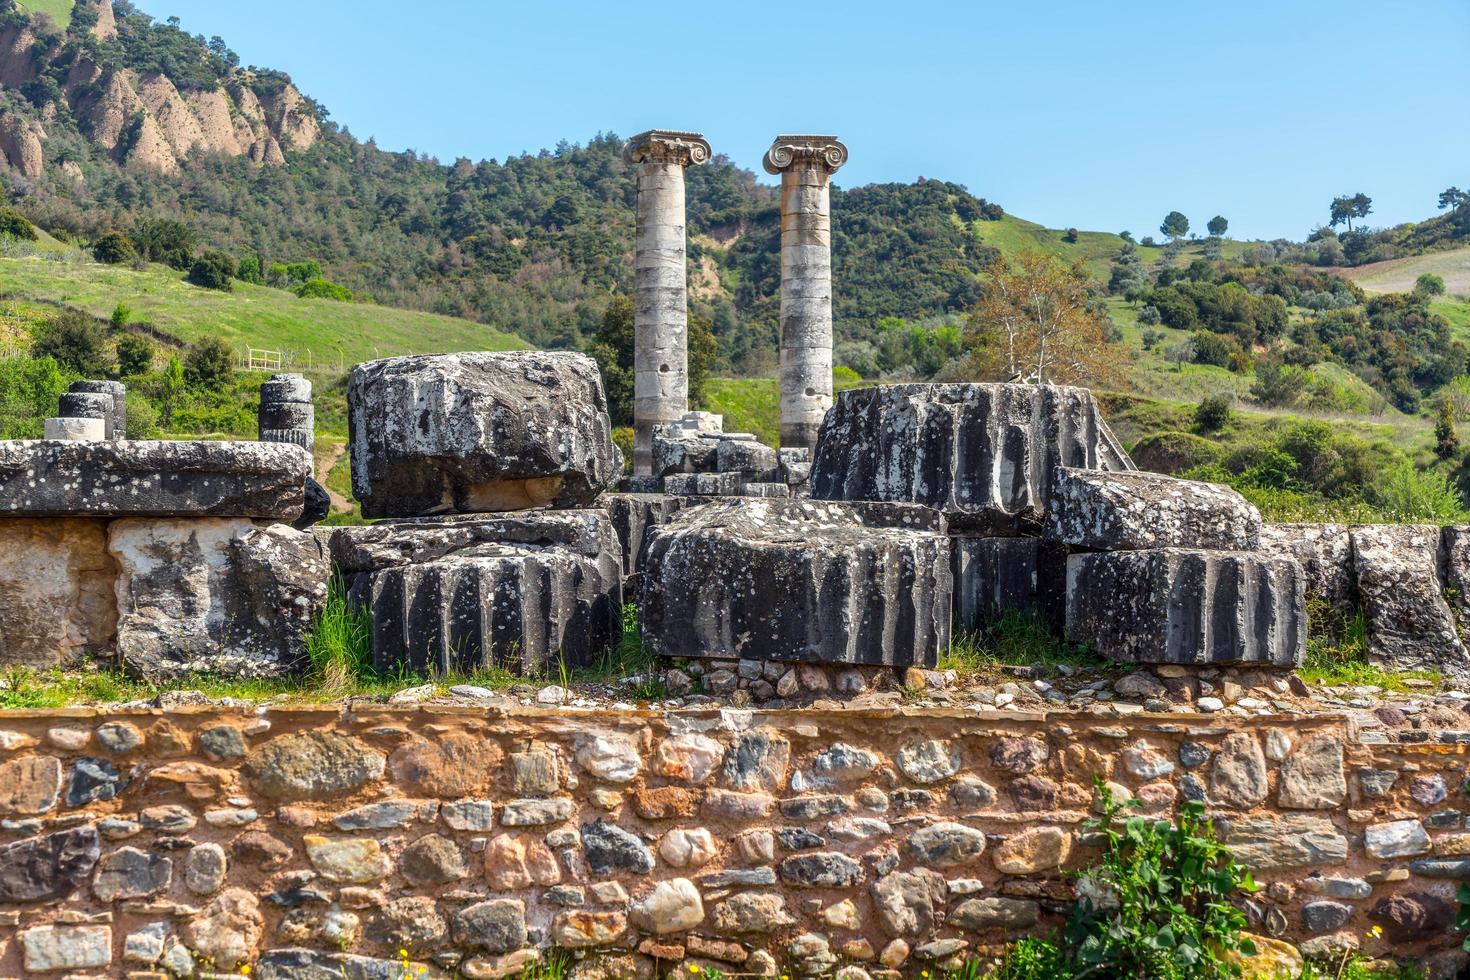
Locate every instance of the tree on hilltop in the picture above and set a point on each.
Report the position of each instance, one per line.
(1348, 207)
(1452, 197)
(1175, 225)
(1038, 322)
(1217, 226)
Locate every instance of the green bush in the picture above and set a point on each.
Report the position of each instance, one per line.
(13, 224)
(322, 289)
(1411, 496)
(114, 248)
(1213, 413)
(213, 270)
(135, 354)
(29, 388)
(209, 364)
(249, 270)
(77, 341)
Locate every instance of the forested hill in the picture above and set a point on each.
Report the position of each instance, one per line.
(116, 118)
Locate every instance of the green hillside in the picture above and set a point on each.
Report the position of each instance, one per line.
(1096, 249)
(1399, 275)
(59, 10)
(331, 333)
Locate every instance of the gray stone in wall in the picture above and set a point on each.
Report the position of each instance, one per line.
(518, 591)
(1410, 625)
(994, 576)
(479, 432)
(797, 580)
(1454, 557)
(136, 478)
(1132, 511)
(1325, 552)
(779, 491)
(215, 596)
(1188, 607)
(117, 421)
(752, 459)
(985, 454)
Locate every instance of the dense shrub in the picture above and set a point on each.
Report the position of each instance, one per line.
(166, 240)
(322, 289)
(213, 270)
(1213, 413)
(13, 224)
(135, 354)
(209, 364)
(114, 248)
(77, 342)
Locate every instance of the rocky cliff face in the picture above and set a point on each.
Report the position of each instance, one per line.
(142, 119)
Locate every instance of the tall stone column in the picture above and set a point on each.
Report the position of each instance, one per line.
(806, 165)
(661, 300)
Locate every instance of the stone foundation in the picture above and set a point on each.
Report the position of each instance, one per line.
(320, 841)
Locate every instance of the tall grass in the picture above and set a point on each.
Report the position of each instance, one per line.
(340, 648)
(1015, 639)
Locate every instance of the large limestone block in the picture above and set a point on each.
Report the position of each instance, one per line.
(1325, 552)
(459, 593)
(479, 432)
(56, 598)
(799, 580)
(519, 607)
(996, 576)
(1136, 511)
(984, 454)
(1410, 626)
(1188, 607)
(137, 478)
(215, 596)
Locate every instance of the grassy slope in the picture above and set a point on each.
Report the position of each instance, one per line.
(1096, 249)
(1398, 275)
(60, 10)
(256, 316)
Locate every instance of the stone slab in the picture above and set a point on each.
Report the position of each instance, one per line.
(1132, 511)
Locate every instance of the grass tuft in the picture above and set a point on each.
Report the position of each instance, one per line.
(1016, 639)
(1337, 656)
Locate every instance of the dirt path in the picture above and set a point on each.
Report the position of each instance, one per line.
(327, 456)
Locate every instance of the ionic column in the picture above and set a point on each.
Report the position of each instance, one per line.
(806, 165)
(661, 301)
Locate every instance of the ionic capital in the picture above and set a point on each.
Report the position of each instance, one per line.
(667, 146)
(827, 152)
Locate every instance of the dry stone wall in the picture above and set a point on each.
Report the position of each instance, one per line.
(317, 842)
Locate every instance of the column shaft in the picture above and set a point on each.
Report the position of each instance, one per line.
(806, 303)
(660, 311)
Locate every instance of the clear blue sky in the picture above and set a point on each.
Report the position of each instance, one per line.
(1092, 114)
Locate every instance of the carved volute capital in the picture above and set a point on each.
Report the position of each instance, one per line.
(827, 152)
(667, 146)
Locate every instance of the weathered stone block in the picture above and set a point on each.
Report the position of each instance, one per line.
(1410, 626)
(479, 432)
(1180, 606)
(994, 576)
(518, 590)
(704, 484)
(797, 580)
(1325, 552)
(117, 419)
(215, 596)
(152, 479)
(1134, 511)
(633, 515)
(56, 590)
(984, 454)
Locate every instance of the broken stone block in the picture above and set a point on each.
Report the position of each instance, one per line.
(994, 576)
(633, 515)
(456, 594)
(476, 432)
(1325, 552)
(984, 454)
(679, 450)
(117, 420)
(286, 413)
(88, 405)
(796, 465)
(74, 430)
(704, 484)
(215, 596)
(135, 478)
(1188, 607)
(1454, 551)
(798, 580)
(56, 596)
(1135, 511)
(750, 458)
(779, 491)
(1410, 626)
